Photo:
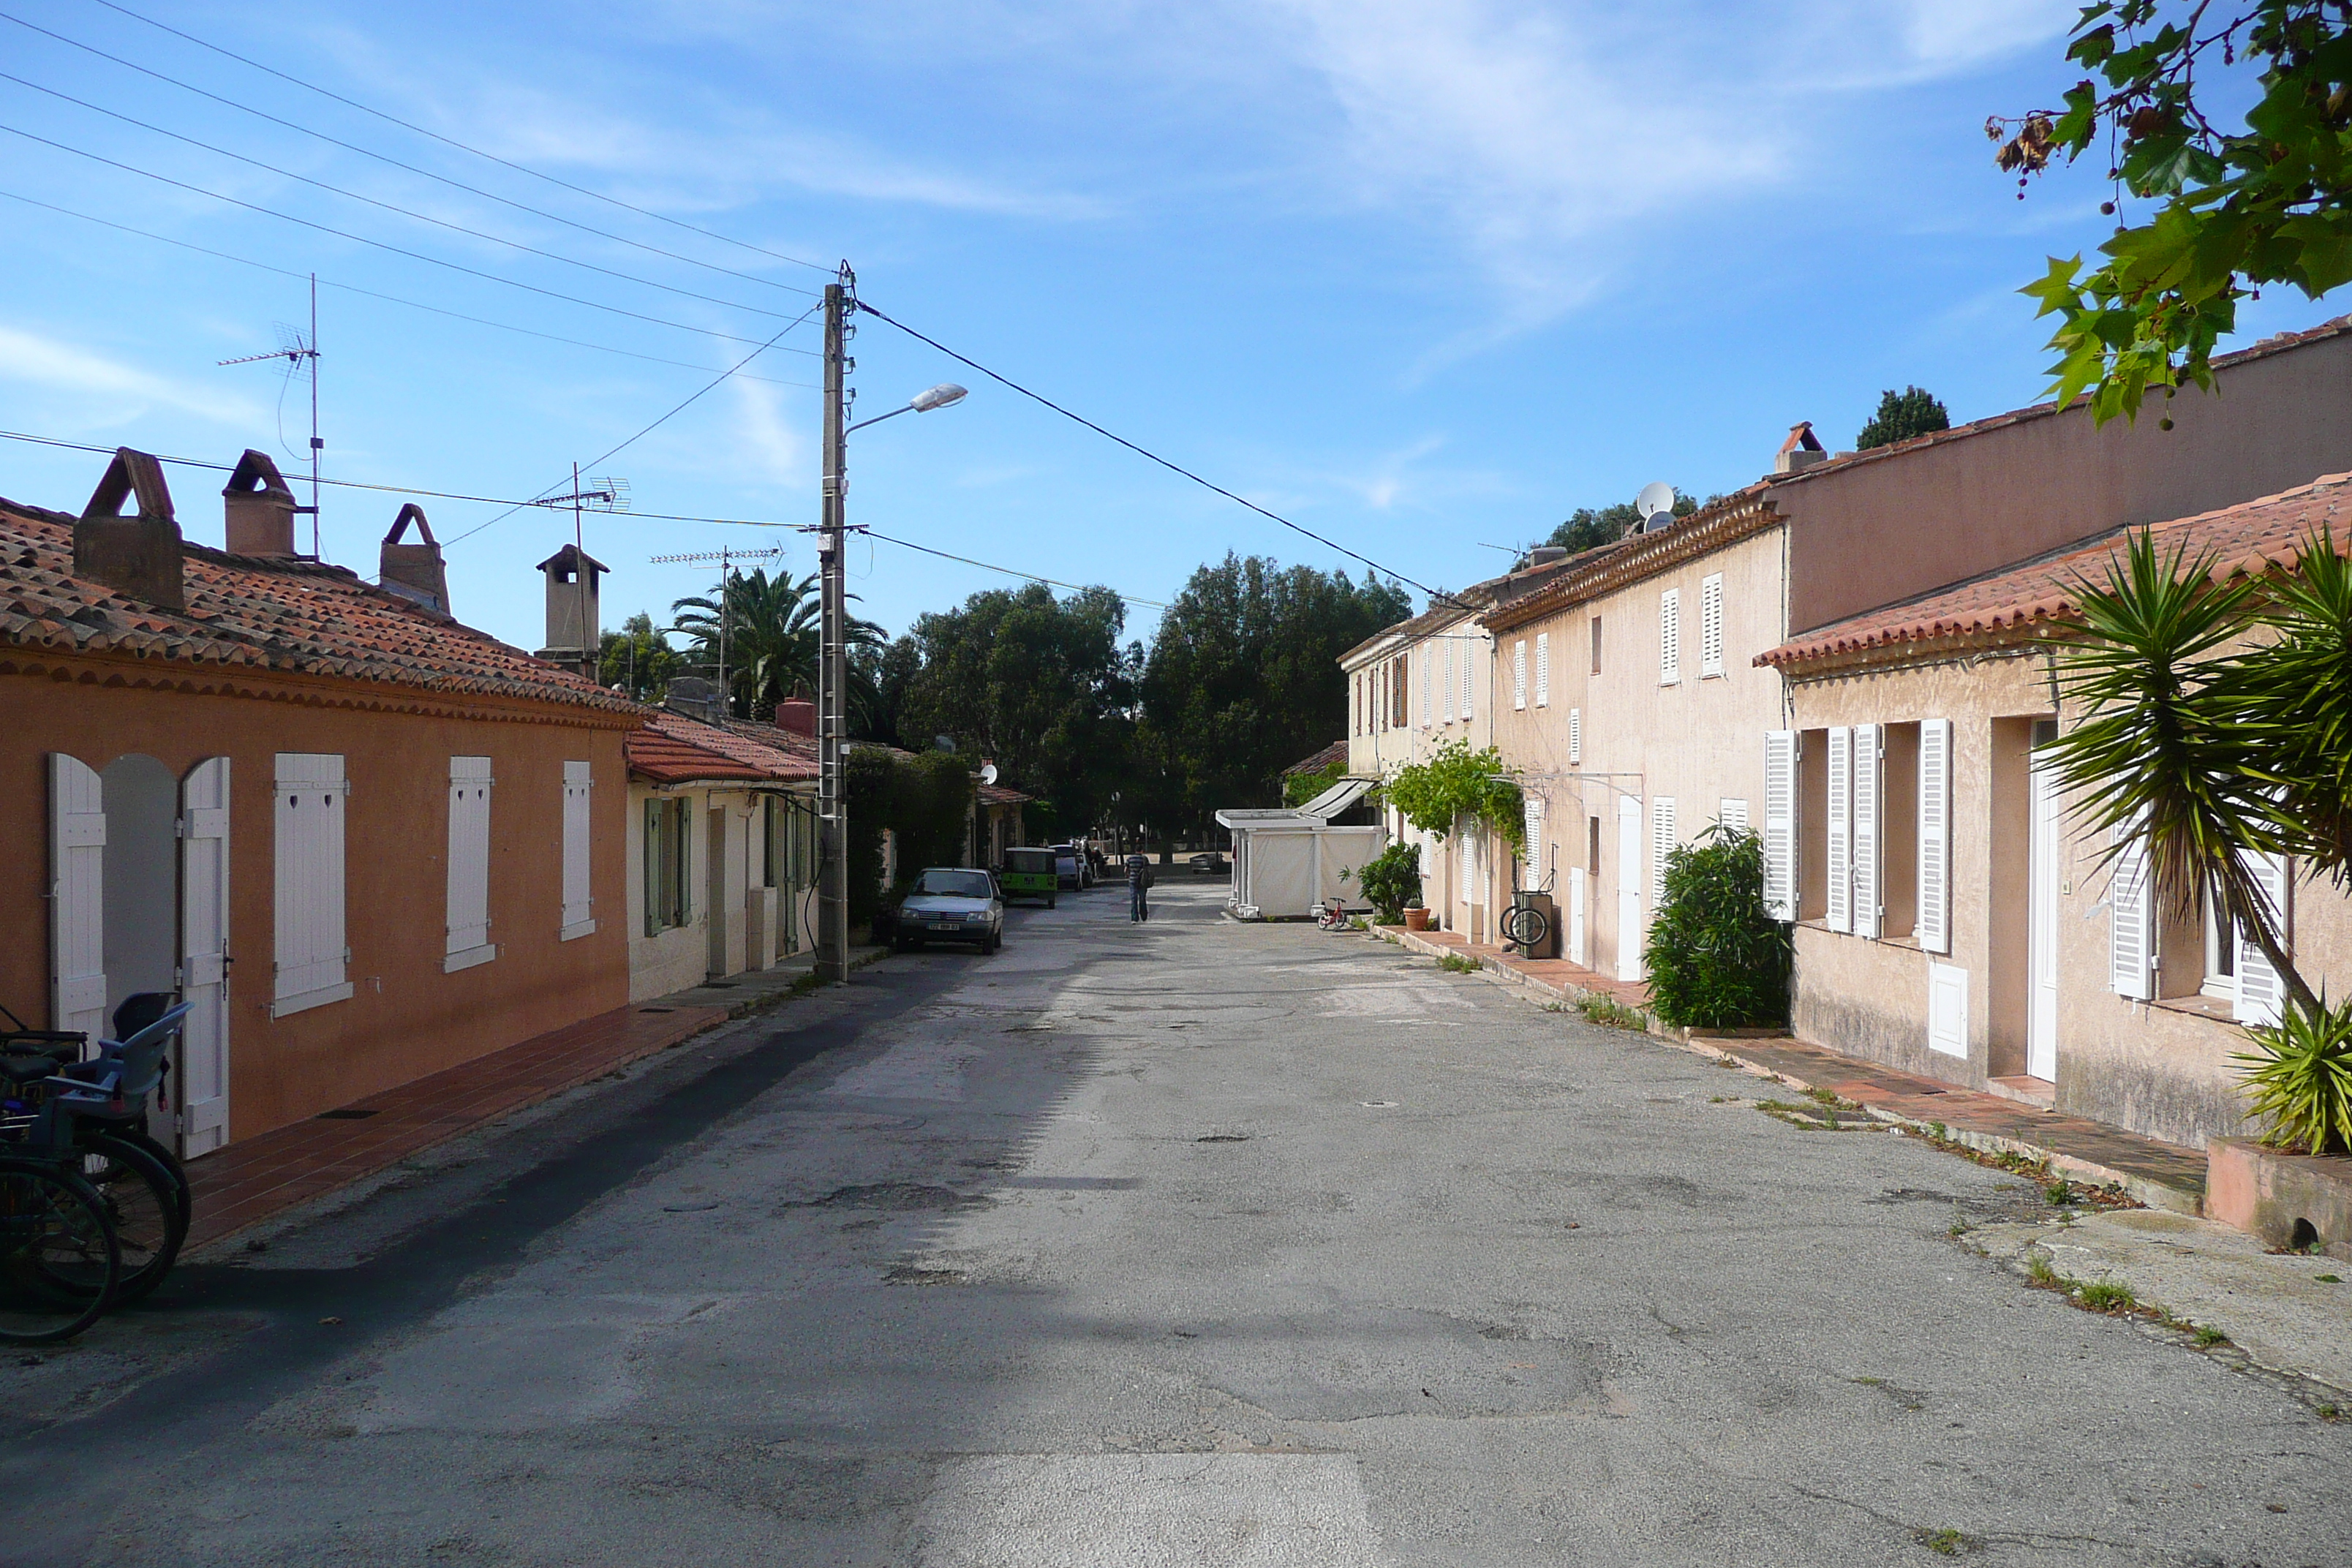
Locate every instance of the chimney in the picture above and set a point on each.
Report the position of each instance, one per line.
(797, 714)
(574, 625)
(1801, 451)
(1545, 554)
(137, 556)
(695, 698)
(260, 508)
(414, 571)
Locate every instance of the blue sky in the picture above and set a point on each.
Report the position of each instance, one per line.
(1423, 275)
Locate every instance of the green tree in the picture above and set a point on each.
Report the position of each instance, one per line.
(1300, 788)
(1244, 679)
(1901, 415)
(1457, 785)
(1586, 528)
(638, 659)
(2226, 207)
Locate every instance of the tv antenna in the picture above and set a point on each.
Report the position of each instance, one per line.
(727, 558)
(300, 349)
(606, 494)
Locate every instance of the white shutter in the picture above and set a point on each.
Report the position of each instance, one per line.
(1781, 824)
(1948, 1009)
(311, 959)
(1426, 709)
(1535, 819)
(1869, 834)
(2131, 945)
(1543, 670)
(1935, 926)
(1469, 668)
(1710, 625)
(1661, 842)
(1732, 814)
(202, 1081)
(2261, 993)
(1576, 915)
(1841, 782)
(1576, 734)
(577, 907)
(1449, 654)
(1519, 673)
(77, 897)
(468, 941)
(1670, 636)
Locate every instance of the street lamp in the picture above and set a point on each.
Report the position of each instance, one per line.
(832, 669)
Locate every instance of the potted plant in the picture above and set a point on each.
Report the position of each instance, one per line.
(1391, 881)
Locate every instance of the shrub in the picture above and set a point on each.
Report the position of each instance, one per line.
(1391, 881)
(1457, 785)
(2299, 1079)
(1717, 959)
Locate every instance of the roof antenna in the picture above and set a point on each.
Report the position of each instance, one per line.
(301, 352)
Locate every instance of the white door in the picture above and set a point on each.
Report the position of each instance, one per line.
(2042, 929)
(202, 1080)
(1576, 914)
(77, 898)
(1629, 888)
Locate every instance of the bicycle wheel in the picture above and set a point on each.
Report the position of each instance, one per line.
(59, 1262)
(1527, 926)
(142, 1202)
(183, 1193)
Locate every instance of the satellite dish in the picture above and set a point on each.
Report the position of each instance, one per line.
(988, 772)
(1655, 501)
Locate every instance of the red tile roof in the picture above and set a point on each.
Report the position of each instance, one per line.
(1331, 756)
(263, 613)
(672, 748)
(2019, 604)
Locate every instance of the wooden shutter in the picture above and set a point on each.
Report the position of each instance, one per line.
(2131, 932)
(1935, 926)
(312, 798)
(1576, 734)
(77, 897)
(1543, 670)
(203, 1082)
(1781, 824)
(579, 795)
(1661, 843)
(1670, 636)
(1710, 625)
(1519, 673)
(1869, 831)
(1948, 1009)
(1841, 782)
(468, 939)
(2261, 993)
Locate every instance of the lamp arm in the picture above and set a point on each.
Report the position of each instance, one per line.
(862, 424)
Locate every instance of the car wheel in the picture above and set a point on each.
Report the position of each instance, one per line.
(1051, 901)
(903, 943)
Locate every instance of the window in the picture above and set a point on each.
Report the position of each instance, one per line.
(1781, 752)
(1543, 670)
(578, 909)
(1449, 683)
(1576, 735)
(1425, 709)
(1710, 627)
(941, 884)
(1519, 673)
(775, 841)
(1592, 846)
(469, 930)
(1935, 886)
(1468, 666)
(310, 958)
(1396, 696)
(668, 896)
(1596, 645)
(1732, 814)
(1670, 637)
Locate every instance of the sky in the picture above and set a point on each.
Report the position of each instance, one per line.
(1423, 276)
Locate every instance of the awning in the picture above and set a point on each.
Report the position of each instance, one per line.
(1242, 818)
(1336, 799)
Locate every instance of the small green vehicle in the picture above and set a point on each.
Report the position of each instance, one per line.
(1030, 874)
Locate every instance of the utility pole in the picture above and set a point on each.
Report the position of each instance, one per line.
(833, 806)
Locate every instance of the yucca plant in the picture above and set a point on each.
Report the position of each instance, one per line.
(2299, 1079)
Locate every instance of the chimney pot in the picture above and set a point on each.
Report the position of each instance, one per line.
(575, 622)
(694, 696)
(138, 556)
(1801, 451)
(1545, 554)
(414, 571)
(797, 714)
(259, 508)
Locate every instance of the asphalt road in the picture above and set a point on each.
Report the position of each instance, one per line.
(1179, 1243)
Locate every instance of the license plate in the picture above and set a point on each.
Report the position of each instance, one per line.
(945, 926)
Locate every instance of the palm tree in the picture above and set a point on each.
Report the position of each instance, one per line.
(771, 629)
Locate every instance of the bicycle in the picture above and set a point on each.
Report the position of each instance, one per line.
(1333, 916)
(1526, 926)
(61, 1261)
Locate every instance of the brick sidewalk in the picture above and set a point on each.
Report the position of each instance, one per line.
(1556, 979)
(257, 1178)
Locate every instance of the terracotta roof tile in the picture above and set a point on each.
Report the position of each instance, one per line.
(672, 748)
(278, 614)
(1333, 755)
(2019, 603)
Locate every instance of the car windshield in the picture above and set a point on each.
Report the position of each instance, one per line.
(1029, 860)
(954, 884)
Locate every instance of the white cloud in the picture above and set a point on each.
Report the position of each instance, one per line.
(125, 390)
(769, 440)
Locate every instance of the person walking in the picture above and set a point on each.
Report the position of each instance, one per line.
(1138, 907)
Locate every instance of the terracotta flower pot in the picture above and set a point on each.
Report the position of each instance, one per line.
(1416, 920)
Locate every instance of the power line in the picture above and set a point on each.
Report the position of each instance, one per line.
(377, 244)
(451, 141)
(867, 309)
(403, 212)
(649, 429)
(395, 163)
(1007, 571)
(394, 298)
